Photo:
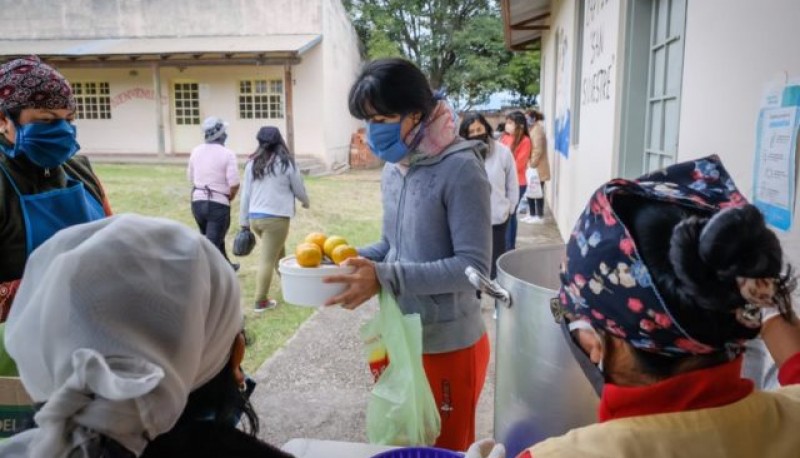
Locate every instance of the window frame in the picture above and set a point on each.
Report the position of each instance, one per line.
(92, 104)
(263, 99)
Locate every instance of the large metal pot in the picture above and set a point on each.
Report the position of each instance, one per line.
(540, 391)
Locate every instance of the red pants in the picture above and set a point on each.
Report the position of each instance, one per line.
(456, 380)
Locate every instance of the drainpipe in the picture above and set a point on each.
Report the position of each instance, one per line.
(159, 111)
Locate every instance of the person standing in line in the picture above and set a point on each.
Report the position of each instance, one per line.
(272, 182)
(540, 162)
(436, 223)
(214, 176)
(44, 185)
(502, 173)
(517, 139)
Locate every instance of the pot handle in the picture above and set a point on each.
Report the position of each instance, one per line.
(486, 286)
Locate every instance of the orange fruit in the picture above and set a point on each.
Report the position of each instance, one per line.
(331, 243)
(308, 255)
(318, 238)
(342, 252)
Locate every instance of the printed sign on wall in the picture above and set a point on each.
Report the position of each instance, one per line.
(775, 171)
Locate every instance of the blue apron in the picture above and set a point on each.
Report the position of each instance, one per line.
(48, 212)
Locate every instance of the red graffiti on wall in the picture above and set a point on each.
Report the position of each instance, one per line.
(135, 93)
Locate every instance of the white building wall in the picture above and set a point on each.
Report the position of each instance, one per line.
(592, 159)
(132, 127)
(162, 18)
(732, 50)
(309, 109)
(342, 62)
(219, 96)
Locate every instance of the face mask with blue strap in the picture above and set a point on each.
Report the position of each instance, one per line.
(46, 144)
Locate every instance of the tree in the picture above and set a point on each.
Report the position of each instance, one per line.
(522, 75)
(457, 43)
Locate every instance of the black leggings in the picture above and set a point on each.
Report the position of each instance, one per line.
(214, 220)
(536, 206)
(498, 245)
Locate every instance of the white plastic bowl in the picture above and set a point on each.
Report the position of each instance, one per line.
(303, 285)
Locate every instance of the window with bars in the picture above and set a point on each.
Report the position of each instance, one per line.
(261, 99)
(668, 20)
(187, 104)
(92, 100)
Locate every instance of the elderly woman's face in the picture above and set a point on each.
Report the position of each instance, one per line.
(30, 115)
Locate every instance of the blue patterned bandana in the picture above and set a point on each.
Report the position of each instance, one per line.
(604, 278)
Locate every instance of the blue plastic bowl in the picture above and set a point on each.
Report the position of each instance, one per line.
(419, 452)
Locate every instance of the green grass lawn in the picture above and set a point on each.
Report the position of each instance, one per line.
(346, 205)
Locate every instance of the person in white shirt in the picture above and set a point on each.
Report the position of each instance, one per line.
(272, 182)
(502, 174)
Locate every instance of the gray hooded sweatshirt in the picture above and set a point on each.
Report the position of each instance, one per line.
(436, 222)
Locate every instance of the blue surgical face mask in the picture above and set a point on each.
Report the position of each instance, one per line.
(46, 144)
(385, 141)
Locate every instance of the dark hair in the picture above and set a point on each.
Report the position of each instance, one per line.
(694, 258)
(269, 154)
(522, 127)
(206, 428)
(469, 119)
(501, 127)
(14, 114)
(388, 87)
(536, 115)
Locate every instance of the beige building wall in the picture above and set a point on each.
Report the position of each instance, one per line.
(219, 96)
(342, 64)
(309, 106)
(132, 127)
(727, 65)
(158, 18)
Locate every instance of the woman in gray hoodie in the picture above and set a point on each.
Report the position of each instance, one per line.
(436, 223)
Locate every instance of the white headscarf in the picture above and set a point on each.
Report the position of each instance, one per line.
(115, 323)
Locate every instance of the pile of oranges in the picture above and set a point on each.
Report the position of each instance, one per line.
(310, 252)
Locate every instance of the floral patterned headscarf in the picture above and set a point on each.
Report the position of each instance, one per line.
(30, 83)
(604, 278)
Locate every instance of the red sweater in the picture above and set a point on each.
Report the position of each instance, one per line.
(522, 154)
(714, 387)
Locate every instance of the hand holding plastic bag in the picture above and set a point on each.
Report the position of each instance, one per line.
(486, 448)
(401, 409)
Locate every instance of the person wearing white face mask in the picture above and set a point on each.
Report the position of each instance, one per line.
(128, 333)
(502, 174)
(517, 139)
(44, 186)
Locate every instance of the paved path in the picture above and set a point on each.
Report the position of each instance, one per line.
(317, 385)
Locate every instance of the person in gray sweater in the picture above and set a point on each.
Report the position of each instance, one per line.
(436, 223)
(271, 185)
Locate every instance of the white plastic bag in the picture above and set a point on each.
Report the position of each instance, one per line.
(534, 185)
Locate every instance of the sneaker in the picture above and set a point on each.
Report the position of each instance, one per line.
(536, 220)
(527, 219)
(267, 304)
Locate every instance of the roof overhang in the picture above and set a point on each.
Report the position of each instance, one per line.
(523, 23)
(175, 51)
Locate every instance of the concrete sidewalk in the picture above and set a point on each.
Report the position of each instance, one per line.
(317, 385)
